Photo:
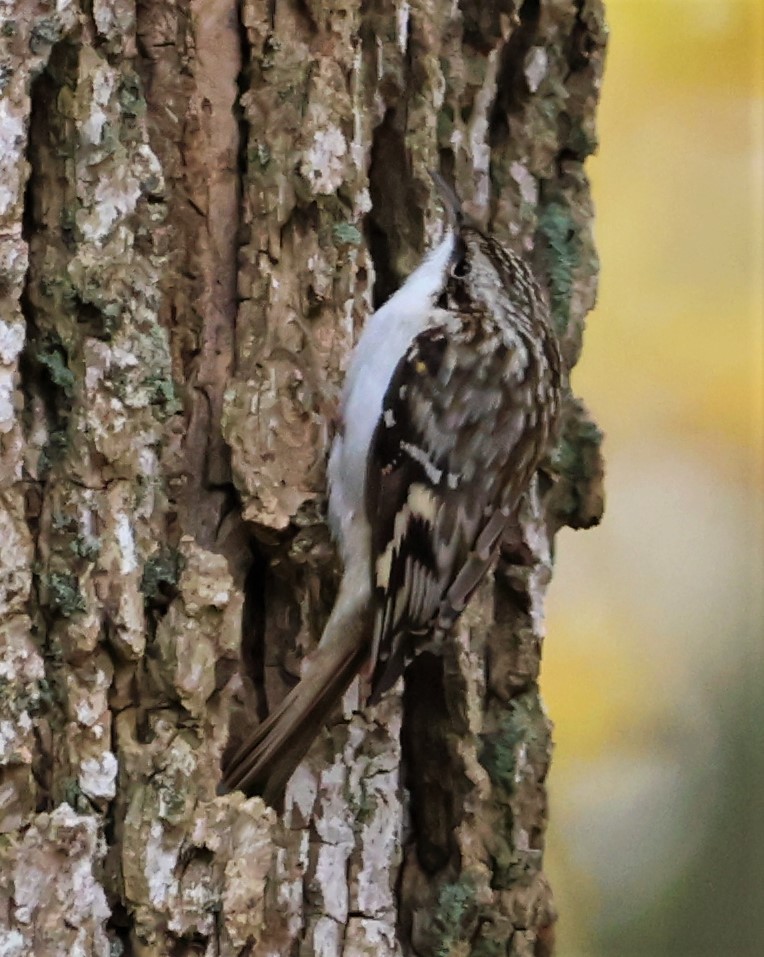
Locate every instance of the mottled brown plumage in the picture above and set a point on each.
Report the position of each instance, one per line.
(468, 414)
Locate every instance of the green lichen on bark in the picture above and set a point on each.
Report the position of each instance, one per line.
(62, 593)
(83, 547)
(578, 498)
(53, 360)
(562, 252)
(160, 571)
(455, 915)
(522, 729)
(516, 756)
(347, 233)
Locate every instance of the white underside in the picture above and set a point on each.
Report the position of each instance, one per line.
(382, 344)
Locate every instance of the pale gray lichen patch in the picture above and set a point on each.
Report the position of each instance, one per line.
(70, 847)
(325, 936)
(14, 736)
(529, 187)
(380, 842)
(11, 142)
(114, 20)
(7, 405)
(330, 879)
(98, 776)
(535, 67)
(15, 565)
(324, 162)
(12, 336)
(161, 857)
(126, 541)
(13, 944)
(22, 693)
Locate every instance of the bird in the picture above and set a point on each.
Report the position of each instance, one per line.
(451, 399)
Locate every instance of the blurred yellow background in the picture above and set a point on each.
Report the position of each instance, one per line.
(653, 662)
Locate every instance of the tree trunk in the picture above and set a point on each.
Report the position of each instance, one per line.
(200, 204)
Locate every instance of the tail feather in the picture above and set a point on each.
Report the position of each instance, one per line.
(266, 760)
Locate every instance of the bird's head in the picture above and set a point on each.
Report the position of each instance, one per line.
(481, 272)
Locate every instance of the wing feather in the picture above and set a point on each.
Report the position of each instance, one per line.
(440, 465)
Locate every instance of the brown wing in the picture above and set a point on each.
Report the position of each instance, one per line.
(453, 451)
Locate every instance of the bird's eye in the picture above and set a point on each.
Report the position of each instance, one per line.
(460, 269)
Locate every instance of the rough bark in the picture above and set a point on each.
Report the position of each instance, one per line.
(200, 202)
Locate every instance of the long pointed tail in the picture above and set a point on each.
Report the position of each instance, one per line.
(266, 760)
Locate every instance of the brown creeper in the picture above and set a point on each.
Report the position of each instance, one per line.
(451, 397)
